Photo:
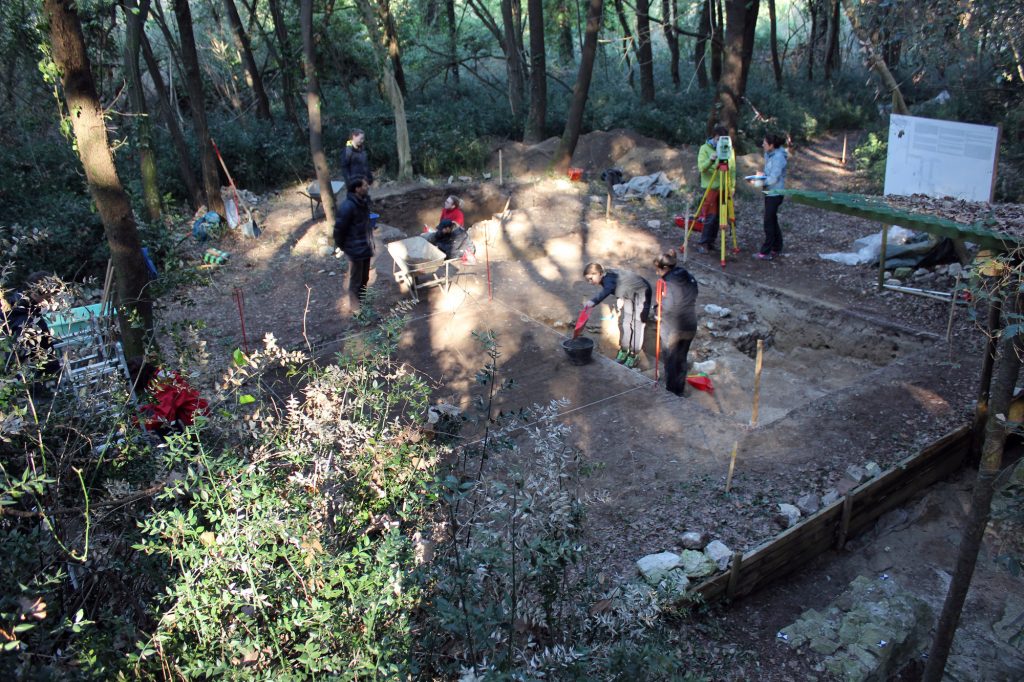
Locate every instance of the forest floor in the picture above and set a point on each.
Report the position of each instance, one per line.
(851, 375)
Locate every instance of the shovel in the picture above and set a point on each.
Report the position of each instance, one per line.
(249, 227)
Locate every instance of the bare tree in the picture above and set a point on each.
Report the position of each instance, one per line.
(135, 18)
(316, 133)
(875, 62)
(741, 21)
(286, 65)
(453, 40)
(832, 59)
(717, 45)
(774, 41)
(574, 120)
(514, 67)
(538, 74)
(197, 106)
(644, 52)
(700, 46)
(105, 186)
(669, 17)
(390, 38)
(252, 72)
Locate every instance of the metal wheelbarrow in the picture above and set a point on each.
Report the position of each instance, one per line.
(418, 264)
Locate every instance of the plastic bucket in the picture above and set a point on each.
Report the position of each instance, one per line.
(579, 350)
(373, 220)
(575, 174)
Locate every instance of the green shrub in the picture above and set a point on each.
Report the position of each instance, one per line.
(870, 156)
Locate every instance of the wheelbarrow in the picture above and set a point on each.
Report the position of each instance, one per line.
(418, 264)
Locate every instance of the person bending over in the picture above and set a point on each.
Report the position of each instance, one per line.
(678, 315)
(633, 301)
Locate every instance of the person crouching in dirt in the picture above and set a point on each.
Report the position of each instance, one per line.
(453, 240)
(354, 236)
(633, 301)
(678, 314)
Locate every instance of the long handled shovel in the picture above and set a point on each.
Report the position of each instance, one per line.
(249, 227)
(659, 293)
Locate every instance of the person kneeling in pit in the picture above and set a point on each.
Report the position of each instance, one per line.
(453, 240)
(633, 301)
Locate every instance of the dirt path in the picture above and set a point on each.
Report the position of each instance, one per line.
(851, 375)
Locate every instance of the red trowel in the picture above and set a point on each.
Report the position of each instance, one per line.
(701, 382)
(581, 321)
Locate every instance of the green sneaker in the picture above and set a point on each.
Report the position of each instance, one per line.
(631, 360)
(621, 357)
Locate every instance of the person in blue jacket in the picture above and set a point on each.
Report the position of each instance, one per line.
(678, 318)
(775, 158)
(354, 236)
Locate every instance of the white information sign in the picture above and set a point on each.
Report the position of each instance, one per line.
(941, 158)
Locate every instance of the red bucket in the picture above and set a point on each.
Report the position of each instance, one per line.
(575, 174)
(696, 224)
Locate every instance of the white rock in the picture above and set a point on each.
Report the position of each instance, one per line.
(719, 553)
(654, 224)
(788, 515)
(708, 366)
(653, 567)
(893, 282)
(692, 540)
(921, 273)
(487, 176)
(696, 564)
(831, 496)
(451, 179)
(465, 178)
(872, 469)
(716, 310)
(808, 504)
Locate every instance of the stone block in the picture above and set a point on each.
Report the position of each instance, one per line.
(808, 504)
(653, 567)
(695, 564)
(788, 515)
(718, 552)
(692, 539)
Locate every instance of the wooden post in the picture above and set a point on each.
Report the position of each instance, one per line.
(881, 258)
(686, 230)
(844, 149)
(608, 210)
(757, 382)
(501, 170)
(732, 466)
(734, 574)
(952, 307)
(844, 524)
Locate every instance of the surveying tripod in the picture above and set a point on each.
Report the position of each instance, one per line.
(726, 207)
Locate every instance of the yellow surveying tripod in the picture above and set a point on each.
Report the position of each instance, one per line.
(726, 189)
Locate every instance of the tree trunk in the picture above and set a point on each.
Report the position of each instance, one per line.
(316, 134)
(669, 17)
(391, 90)
(564, 24)
(197, 105)
(644, 53)
(135, 18)
(574, 119)
(112, 202)
(875, 63)
(538, 74)
(513, 61)
(188, 176)
(453, 40)
(717, 19)
(255, 80)
(628, 41)
(287, 68)
(832, 59)
(812, 38)
(387, 20)
(741, 20)
(774, 41)
(700, 46)
(996, 431)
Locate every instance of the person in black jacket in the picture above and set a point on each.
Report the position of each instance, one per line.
(678, 317)
(354, 236)
(453, 240)
(355, 163)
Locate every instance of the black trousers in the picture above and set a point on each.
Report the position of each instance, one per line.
(358, 277)
(772, 231)
(676, 349)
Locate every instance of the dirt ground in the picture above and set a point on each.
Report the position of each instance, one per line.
(851, 375)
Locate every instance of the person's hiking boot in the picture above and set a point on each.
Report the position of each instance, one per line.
(631, 360)
(622, 355)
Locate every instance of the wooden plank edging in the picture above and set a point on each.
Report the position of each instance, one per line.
(840, 521)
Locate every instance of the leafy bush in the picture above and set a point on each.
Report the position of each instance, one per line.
(870, 156)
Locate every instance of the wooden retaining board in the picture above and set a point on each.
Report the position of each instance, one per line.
(798, 545)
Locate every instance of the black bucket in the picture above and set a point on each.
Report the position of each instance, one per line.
(579, 350)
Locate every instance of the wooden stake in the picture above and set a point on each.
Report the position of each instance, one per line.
(732, 466)
(686, 232)
(952, 307)
(757, 381)
(734, 574)
(881, 257)
(501, 170)
(844, 524)
(844, 149)
(608, 210)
